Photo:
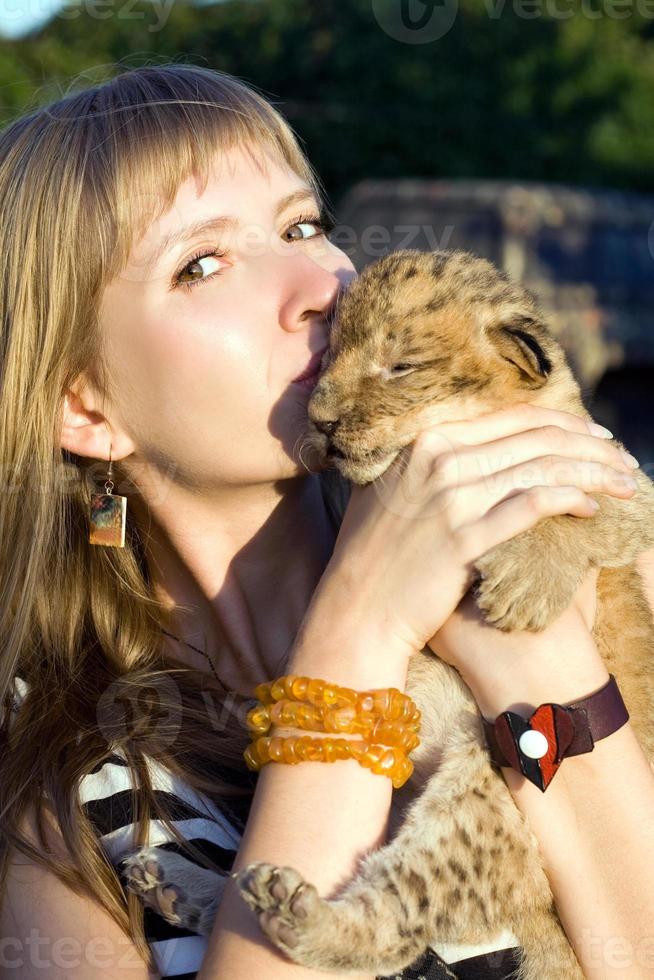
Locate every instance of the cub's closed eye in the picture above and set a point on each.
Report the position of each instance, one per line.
(402, 367)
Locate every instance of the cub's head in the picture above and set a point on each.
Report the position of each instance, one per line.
(421, 338)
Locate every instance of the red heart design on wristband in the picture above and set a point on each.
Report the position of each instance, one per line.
(537, 756)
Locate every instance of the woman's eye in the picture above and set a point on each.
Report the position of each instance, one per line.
(192, 272)
(323, 225)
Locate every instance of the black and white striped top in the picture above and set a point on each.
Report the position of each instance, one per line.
(105, 796)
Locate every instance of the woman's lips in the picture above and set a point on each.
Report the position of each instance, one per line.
(312, 370)
(308, 383)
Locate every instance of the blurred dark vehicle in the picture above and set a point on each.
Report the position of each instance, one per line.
(587, 255)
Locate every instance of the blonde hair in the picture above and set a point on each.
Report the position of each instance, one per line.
(79, 182)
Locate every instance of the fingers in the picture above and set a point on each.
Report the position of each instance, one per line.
(472, 500)
(510, 420)
(518, 513)
(464, 463)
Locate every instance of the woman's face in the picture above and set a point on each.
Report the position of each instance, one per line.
(201, 354)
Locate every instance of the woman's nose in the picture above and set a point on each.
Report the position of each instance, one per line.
(310, 290)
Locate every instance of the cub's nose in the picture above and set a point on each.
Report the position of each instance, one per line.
(327, 428)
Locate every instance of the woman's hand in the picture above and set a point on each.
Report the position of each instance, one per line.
(408, 540)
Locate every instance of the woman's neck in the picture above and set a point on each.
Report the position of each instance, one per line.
(247, 566)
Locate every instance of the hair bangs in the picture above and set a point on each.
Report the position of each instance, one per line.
(158, 127)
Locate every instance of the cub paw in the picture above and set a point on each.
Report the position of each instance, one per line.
(520, 589)
(146, 877)
(181, 892)
(288, 908)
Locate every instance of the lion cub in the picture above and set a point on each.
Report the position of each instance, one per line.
(421, 338)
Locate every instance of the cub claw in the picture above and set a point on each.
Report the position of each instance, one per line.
(286, 906)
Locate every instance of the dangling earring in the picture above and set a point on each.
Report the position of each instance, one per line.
(108, 511)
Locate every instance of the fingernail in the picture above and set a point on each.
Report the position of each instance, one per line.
(599, 430)
(628, 481)
(593, 503)
(630, 460)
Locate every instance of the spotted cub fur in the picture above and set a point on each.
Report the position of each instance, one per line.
(421, 338)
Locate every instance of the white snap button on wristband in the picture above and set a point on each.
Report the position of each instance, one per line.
(533, 744)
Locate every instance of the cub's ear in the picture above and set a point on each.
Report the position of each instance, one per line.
(517, 343)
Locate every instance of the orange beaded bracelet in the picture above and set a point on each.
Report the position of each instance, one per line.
(388, 702)
(320, 718)
(384, 761)
(384, 715)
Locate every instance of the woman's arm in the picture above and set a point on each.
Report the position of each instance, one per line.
(317, 818)
(403, 559)
(595, 822)
(595, 828)
(48, 930)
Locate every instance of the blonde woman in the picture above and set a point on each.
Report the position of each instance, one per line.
(167, 276)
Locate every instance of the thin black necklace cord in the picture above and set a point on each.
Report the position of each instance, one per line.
(206, 656)
(210, 661)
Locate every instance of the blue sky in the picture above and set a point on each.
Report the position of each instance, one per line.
(19, 16)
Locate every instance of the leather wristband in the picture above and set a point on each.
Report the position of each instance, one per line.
(536, 746)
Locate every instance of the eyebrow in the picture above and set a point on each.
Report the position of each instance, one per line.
(223, 222)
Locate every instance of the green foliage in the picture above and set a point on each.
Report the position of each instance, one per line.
(500, 95)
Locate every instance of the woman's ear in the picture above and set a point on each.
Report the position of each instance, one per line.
(85, 431)
(517, 343)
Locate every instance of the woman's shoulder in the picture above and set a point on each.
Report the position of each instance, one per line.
(107, 796)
